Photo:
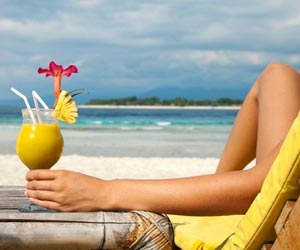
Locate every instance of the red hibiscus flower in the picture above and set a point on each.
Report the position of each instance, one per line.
(57, 71)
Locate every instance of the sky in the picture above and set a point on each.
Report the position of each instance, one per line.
(193, 48)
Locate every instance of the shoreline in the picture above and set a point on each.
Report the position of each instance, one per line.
(158, 107)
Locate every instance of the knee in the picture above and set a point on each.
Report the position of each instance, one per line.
(278, 74)
(279, 67)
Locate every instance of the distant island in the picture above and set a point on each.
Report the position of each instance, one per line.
(154, 101)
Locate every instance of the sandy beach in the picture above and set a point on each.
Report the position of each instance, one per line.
(13, 171)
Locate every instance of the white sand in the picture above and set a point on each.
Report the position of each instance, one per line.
(13, 171)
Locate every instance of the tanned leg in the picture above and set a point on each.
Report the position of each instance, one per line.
(264, 119)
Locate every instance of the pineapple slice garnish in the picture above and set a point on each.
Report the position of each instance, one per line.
(66, 108)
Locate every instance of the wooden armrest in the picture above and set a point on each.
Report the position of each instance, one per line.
(283, 217)
(288, 237)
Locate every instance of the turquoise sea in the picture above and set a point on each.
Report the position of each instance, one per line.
(134, 132)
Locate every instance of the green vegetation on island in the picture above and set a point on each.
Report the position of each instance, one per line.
(154, 101)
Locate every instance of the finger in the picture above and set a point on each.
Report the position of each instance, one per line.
(40, 185)
(40, 174)
(45, 204)
(49, 204)
(40, 195)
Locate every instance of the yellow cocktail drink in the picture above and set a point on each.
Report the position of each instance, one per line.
(40, 143)
(39, 146)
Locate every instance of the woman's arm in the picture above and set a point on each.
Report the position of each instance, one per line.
(263, 121)
(216, 194)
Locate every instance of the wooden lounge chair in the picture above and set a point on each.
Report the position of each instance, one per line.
(256, 228)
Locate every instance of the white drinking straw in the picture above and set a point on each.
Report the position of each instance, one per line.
(35, 95)
(37, 98)
(37, 109)
(26, 102)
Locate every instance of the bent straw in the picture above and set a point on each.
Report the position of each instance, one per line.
(36, 104)
(37, 98)
(35, 95)
(26, 102)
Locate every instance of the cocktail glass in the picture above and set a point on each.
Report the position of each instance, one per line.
(39, 144)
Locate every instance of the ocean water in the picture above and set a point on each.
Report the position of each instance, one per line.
(134, 132)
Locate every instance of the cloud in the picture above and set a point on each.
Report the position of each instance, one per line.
(130, 27)
(143, 45)
(232, 58)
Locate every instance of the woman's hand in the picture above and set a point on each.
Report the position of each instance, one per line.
(66, 190)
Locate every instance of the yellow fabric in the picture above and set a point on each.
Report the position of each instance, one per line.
(203, 232)
(281, 184)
